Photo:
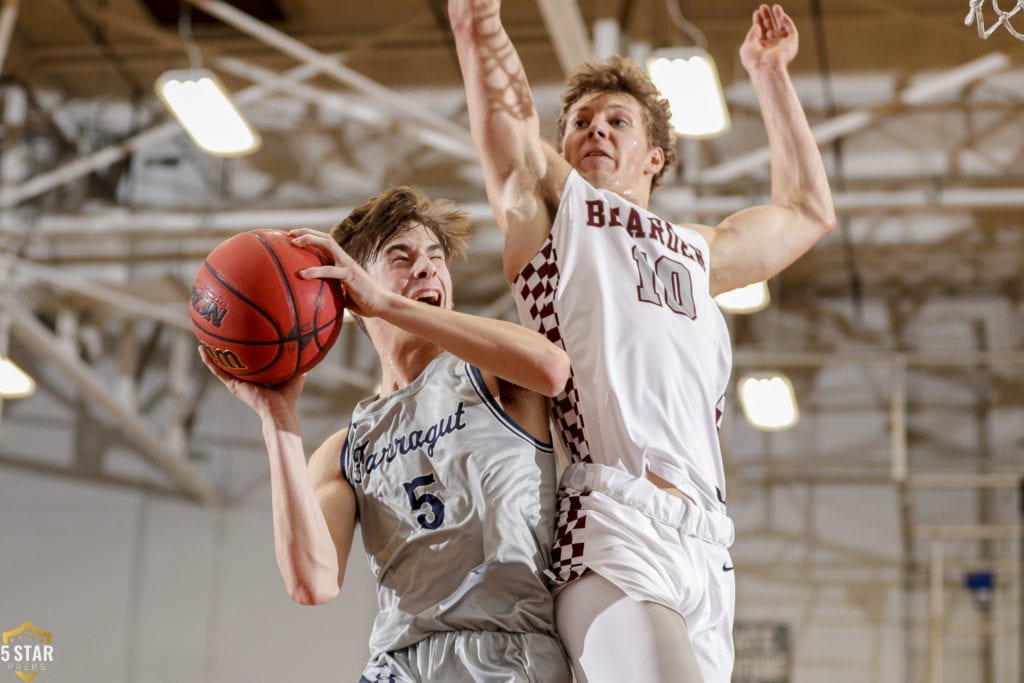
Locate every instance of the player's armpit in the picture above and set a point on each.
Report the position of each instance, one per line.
(529, 409)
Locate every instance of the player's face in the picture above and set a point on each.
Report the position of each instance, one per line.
(606, 140)
(413, 264)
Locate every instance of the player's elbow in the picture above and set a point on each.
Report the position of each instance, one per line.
(816, 219)
(820, 211)
(313, 592)
(826, 219)
(811, 207)
(556, 371)
(309, 582)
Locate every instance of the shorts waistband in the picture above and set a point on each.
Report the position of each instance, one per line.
(643, 495)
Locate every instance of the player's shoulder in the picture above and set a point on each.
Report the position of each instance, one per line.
(325, 463)
(706, 231)
(528, 209)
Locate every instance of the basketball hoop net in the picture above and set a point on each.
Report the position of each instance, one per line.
(975, 14)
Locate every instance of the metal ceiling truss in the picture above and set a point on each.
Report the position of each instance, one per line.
(826, 132)
(8, 17)
(184, 237)
(165, 448)
(39, 295)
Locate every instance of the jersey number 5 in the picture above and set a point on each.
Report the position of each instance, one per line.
(675, 282)
(435, 516)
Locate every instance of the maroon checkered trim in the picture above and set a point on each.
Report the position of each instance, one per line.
(567, 554)
(535, 286)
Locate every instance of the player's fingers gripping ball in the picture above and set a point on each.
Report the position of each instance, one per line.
(255, 317)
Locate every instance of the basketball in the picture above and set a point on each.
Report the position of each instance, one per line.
(255, 317)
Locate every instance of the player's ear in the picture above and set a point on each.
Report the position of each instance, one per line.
(655, 160)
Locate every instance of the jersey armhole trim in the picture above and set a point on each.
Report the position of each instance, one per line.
(563, 207)
(343, 456)
(480, 387)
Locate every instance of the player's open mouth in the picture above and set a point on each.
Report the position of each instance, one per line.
(432, 298)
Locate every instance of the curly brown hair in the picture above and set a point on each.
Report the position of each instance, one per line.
(622, 74)
(369, 227)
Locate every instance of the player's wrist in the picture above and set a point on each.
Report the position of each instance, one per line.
(767, 68)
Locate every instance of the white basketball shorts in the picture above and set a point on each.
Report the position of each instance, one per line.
(653, 546)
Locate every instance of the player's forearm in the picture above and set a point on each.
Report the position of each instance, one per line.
(503, 117)
(306, 556)
(798, 178)
(521, 172)
(508, 350)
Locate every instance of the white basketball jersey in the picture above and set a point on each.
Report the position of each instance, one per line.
(627, 295)
(456, 505)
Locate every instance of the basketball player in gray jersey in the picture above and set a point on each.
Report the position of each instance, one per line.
(449, 469)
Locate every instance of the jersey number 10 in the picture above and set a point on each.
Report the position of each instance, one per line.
(675, 283)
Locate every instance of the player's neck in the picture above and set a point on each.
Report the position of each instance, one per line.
(637, 192)
(639, 195)
(402, 363)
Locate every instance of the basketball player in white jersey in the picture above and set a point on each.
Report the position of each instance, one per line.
(449, 469)
(641, 563)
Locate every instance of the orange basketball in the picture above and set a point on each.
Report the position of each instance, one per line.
(255, 317)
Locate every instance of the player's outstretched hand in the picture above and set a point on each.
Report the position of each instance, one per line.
(772, 39)
(364, 295)
(261, 398)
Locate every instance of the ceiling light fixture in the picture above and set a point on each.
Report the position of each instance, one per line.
(688, 79)
(744, 300)
(199, 102)
(14, 382)
(768, 401)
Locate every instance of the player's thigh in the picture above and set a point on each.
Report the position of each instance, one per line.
(612, 637)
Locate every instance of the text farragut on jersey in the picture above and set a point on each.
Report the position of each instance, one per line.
(363, 462)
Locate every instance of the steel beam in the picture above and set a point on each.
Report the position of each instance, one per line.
(567, 31)
(966, 480)
(114, 153)
(180, 224)
(936, 614)
(457, 136)
(968, 532)
(127, 304)
(858, 119)
(744, 358)
(283, 83)
(40, 341)
(8, 16)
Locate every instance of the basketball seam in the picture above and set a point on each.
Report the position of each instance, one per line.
(296, 326)
(259, 309)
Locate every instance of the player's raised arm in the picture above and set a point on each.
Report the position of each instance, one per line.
(313, 508)
(523, 173)
(508, 350)
(759, 242)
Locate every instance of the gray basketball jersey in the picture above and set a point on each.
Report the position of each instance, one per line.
(456, 504)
